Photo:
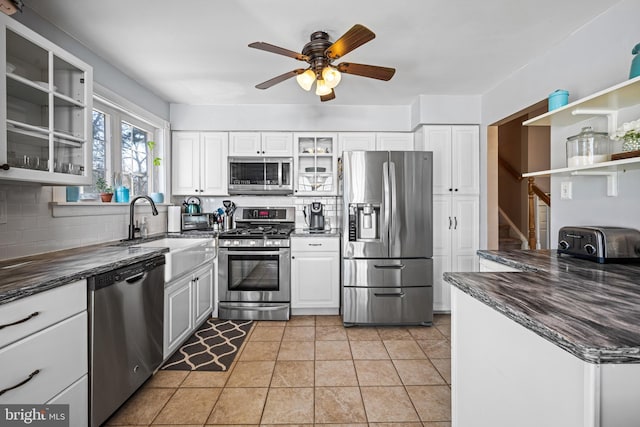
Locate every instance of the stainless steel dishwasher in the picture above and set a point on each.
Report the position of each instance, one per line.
(125, 333)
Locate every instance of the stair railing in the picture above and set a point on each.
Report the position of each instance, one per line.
(533, 191)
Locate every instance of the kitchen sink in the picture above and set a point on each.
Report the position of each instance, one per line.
(184, 254)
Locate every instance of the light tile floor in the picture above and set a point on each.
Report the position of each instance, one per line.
(310, 371)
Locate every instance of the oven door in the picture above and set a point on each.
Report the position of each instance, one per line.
(249, 275)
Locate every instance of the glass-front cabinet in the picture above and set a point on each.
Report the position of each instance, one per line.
(45, 110)
(316, 163)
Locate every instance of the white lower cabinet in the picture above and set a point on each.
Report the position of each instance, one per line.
(45, 350)
(456, 239)
(315, 275)
(188, 301)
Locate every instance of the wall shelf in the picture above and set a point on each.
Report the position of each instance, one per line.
(611, 166)
(605, 102)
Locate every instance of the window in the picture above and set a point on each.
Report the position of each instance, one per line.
(135, 157)
(124, 152)
(99, 169)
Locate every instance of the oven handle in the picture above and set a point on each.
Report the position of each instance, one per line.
(245, 308)
(262, 252)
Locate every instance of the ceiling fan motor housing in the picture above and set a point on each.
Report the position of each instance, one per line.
(315, 51)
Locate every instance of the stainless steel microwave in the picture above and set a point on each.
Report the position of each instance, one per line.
(261, 175)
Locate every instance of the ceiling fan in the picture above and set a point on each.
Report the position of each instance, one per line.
(320, 53)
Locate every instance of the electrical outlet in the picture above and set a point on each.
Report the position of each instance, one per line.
(565, 190)
(3, 207)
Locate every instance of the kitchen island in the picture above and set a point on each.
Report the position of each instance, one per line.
(555, 342)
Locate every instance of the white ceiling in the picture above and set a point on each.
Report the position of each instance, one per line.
(195, 51)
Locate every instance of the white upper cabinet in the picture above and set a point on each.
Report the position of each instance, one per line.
(257, 144)
(456, 158)
(199, 163)
(45, 110)
(394, 141)
(351, 141)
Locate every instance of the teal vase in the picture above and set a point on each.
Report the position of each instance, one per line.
(635, 64)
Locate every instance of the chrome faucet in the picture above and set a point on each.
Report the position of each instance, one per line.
(132, 227)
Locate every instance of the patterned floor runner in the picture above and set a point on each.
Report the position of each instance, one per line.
(212, 347)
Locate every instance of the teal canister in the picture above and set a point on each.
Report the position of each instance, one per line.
(122, 194)
(635, 64)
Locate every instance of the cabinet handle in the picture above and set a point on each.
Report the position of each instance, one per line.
(451, 189)
(455, 219)
(257, 152)
(33, 374)
(5, 166)
(315, 244)
(455, 189)
(34, 314)
(450, 223)
(293, 257)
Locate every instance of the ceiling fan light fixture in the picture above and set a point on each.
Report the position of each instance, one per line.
(306, 79)
(331, 76)
(322, 89)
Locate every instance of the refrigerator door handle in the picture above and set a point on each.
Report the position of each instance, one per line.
(394, 205)
(390, 266)
(386, 199)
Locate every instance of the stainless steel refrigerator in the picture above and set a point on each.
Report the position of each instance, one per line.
(387, 270)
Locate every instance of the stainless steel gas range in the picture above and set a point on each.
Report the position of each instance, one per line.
(254, 265)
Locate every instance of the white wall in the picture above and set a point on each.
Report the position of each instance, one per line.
(103, 72)
(291, 118)
(593, 58)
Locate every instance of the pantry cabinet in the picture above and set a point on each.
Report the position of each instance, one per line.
(45, 110)
(268, 144)
(315, 275)
(456, 240)
(456, 157)
(188, 302)
(199, 163)
(456, 187)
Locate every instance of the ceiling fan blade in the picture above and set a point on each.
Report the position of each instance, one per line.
(279, 50)
(328, 97)
(371, 71)
(355, 37)
(279, 79)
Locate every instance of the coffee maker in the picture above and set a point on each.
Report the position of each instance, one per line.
(316, 216)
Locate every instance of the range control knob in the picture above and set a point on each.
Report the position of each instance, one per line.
(563, 244)
(590, 248)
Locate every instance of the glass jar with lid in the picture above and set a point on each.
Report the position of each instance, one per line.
(588, 147)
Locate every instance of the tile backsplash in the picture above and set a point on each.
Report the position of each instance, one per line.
(32, 229)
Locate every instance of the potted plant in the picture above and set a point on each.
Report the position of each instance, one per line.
(157, 161)
(106, 191)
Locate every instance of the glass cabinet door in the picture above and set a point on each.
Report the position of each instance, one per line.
(316, 164)
(45, 128)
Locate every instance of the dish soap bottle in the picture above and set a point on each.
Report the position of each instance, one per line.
(144, 228)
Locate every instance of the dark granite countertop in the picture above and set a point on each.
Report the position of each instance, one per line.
(21, 277)
(591, 310)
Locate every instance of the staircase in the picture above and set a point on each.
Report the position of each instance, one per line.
(505, 240)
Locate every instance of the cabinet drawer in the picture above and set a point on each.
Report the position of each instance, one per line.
(58, 354)
(315, 244)
(41, 310)
(77, 397)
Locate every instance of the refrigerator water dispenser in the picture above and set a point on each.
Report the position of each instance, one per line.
(364, 222)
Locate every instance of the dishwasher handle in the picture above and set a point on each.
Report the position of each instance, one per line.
(136, 278)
